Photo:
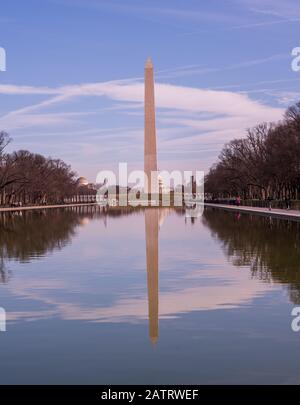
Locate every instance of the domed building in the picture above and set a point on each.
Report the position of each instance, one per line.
(82, 182)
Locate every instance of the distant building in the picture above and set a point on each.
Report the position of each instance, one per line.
(82, 182)
(162, 187)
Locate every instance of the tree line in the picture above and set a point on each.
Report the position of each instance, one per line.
(264, 165)
(30, 178)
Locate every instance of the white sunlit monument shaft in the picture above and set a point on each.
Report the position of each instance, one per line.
(150, 155)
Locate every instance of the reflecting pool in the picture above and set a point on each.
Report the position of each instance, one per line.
(124, 296)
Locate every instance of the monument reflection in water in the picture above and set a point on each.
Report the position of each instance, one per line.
(151, 226)
(37, 233)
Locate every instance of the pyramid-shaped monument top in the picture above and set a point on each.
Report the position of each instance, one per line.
(149, 63)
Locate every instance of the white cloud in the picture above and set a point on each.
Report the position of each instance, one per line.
(155, 13)
(287, 9)
(19, 90)
(204, 119)
(168, 96)
(200, 70)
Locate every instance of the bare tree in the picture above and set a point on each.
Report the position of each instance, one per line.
(264, 164)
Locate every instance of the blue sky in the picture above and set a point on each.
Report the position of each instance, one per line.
(73, 86)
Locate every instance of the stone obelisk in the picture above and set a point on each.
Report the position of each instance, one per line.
(150, 156)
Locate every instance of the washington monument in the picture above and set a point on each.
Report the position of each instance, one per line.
(150, 156)
(151, 216)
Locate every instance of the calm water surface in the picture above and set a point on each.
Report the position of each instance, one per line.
(146, 297)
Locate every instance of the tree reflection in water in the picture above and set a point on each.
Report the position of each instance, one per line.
(25, 235)
(269, 246)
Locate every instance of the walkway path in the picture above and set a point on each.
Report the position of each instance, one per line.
(279, 213)
(42, 207)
